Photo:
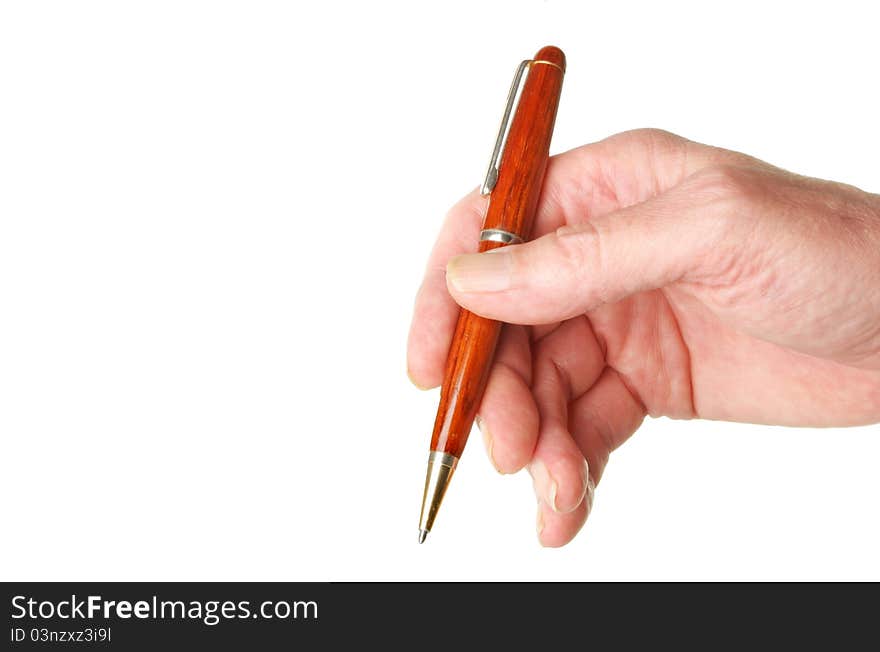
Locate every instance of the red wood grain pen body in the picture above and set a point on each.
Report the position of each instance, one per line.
(511, 207)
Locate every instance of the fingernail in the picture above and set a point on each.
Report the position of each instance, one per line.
(486, 272)
(589, 486)
(539, 521)
(591, 494)
(545, 485)
(488, 441)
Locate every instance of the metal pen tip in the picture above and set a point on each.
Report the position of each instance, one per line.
(423, 534)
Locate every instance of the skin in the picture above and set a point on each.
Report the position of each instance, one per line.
(664, 278)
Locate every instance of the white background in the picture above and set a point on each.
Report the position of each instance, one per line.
(213, 220)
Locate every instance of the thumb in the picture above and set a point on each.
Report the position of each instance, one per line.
(678, 234)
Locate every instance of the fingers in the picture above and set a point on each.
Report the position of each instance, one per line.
(586, 411)
(508, 416)
(677, 235)
(566, 363)
(603, 418)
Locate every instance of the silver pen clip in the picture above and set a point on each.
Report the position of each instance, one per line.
(492, 173)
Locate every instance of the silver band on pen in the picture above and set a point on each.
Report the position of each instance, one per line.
(500, 235)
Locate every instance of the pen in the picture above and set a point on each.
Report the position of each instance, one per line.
(513, 185)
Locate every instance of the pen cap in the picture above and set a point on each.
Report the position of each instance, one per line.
(552, 54)
(525, 146)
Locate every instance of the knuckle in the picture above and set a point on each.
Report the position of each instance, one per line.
(655, 138)
(652, 143)
(660, 155)
(723, 182)
(729, 194)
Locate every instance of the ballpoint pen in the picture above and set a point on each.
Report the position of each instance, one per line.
(513, 185)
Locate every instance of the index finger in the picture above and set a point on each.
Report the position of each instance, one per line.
(435, 311)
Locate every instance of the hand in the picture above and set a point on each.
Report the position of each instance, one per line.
(665, 278)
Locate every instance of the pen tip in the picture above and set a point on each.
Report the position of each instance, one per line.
(423, 534)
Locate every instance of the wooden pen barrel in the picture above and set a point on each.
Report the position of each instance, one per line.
(511, 208)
